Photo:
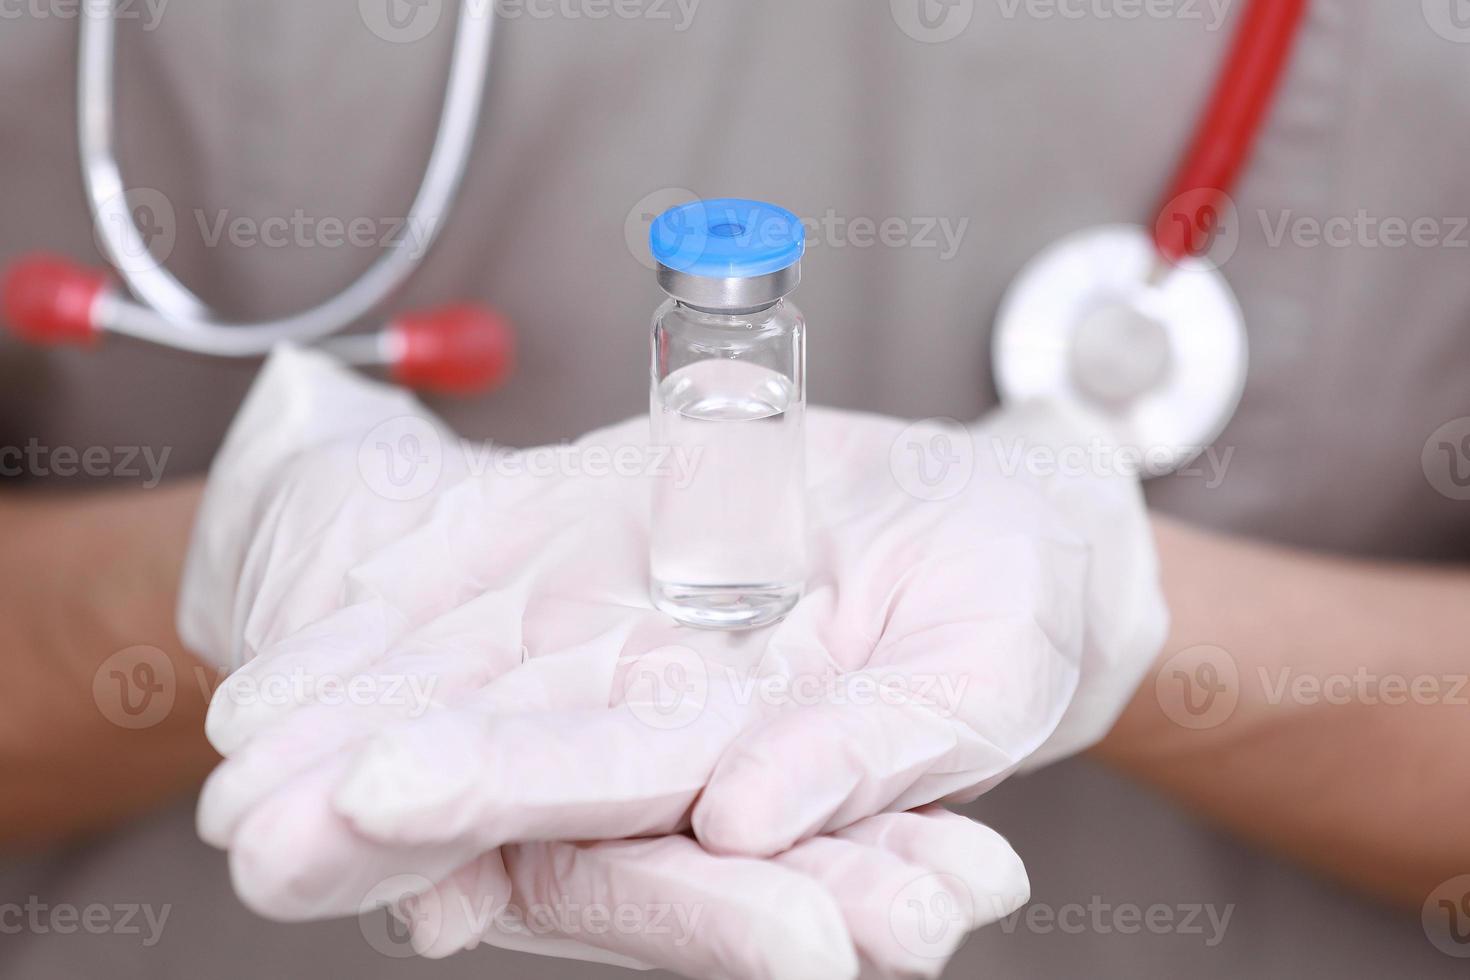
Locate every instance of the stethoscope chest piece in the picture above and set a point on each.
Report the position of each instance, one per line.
(1156, 351)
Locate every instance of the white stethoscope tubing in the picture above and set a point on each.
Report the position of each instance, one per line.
(168, 312)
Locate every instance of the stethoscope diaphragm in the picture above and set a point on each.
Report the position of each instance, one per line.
(1157, 353)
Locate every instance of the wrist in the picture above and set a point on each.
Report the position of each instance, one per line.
(1208, 689)
(103, 695)
(1145, 724)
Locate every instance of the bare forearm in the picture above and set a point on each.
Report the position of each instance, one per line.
(86, 737)
(1345, 745)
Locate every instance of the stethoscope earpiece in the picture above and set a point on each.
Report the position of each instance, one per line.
(463, 349)
(52, 300)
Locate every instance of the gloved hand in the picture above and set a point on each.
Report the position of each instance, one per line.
(302, 564)
(939, 648)
(892, 895)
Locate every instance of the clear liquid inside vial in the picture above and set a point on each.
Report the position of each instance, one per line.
(729, 531)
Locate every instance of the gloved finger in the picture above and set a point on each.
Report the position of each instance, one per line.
(476, 604)
(473, 906)
(489, 779)
(352, 643)
(911, 886)
(669, 903)
(265, 702)
(338, 646)
(481, 536)
(291, 455)
(970, 671)
(273, 759)
(292, 859)
(868, 885)
(480, 775)
(533, 533)
(947, 720)
(975, 877)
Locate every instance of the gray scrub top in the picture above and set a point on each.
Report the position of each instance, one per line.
(1037, 118)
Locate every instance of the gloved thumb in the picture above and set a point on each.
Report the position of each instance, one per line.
(302, 400)
(1083, 464)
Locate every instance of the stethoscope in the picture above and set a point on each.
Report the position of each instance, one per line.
(52, 300)
(1132, 326)
(1137, 328)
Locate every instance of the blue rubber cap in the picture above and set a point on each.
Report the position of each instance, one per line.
(727, 238)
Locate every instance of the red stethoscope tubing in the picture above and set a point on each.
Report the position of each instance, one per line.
(1228, 131)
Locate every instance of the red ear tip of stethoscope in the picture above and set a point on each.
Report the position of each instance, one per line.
(47, 299)
(460, 349)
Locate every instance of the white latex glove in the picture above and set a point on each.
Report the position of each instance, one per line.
(943, 644)
(892, 895)
(301, 570)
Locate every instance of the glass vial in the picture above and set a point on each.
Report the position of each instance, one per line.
(728, 542)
